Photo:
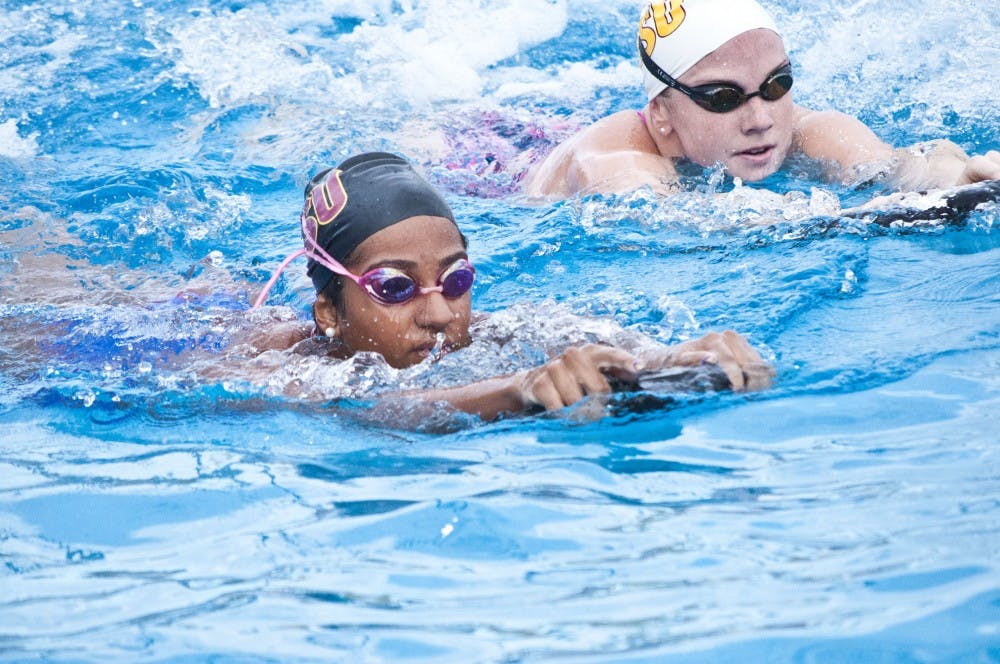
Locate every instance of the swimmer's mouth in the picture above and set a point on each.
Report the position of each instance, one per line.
(436, 349)
(441, 350)
(424, 349)
(756, 152)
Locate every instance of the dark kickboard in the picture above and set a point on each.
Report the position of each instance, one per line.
(950, 206)
(663, 389)
(677, 380)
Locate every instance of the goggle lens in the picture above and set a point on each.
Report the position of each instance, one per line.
(726, 98)
(389, 286)
(777, 86)
(720, 100)
(457, 280)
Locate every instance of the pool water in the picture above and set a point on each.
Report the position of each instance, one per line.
(156, 505)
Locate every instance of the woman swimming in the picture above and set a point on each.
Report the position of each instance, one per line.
(718, 83)
(392, 276)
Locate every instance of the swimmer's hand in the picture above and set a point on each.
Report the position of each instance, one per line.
(580, 371)
(981, 167)
(728, 351)
(940, 164)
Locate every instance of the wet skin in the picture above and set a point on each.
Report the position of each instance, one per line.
(752, 140)
(404, 334)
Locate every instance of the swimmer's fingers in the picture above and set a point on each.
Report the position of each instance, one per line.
(981, 167)
(755, 372)
(578, 372)
(732, 353)
(538, 389)
(596, 362)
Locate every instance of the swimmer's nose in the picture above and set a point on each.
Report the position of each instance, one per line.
(757, 117)
(435, 312)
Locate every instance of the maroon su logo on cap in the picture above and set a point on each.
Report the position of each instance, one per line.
(328, 199)
(667, 17)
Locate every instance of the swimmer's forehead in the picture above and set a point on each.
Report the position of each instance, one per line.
(412, 244)
(754, 53)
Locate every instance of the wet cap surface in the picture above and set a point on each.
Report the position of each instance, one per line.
(361, 196)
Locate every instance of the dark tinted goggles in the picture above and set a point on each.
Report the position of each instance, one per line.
(725, 97)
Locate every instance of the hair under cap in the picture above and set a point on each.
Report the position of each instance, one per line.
(676, 34)
(361, 196)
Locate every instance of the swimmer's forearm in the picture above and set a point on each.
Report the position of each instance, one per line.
(487, 399)
(851, 151)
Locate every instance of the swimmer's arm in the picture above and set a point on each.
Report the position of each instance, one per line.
(487, 399)
(842, 142)
(620, 172)
(858, 155)
(584, 371)
(614, 155)
(578, 372)
(596, 172)
(939, 164)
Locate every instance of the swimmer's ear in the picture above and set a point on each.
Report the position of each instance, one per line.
(659, 116)
(326, 317)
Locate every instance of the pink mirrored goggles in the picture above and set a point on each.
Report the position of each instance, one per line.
(384, 285)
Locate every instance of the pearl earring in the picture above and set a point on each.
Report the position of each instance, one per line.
(663, 130)
(329, 332)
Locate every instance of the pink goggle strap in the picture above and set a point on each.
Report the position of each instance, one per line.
(311, 250)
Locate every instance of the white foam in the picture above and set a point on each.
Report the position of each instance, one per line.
(428, 52)
(577, 80)
(874, 44)
(240, 57)
(440, 50)
(13, 145)
(26, 76)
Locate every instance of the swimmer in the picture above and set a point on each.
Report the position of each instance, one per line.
(392, 276)
(718, 84)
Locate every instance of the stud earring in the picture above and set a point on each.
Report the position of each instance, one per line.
(663, 130)
(330, 332)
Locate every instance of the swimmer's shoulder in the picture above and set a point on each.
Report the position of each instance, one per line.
(597, 154)
(257, 336)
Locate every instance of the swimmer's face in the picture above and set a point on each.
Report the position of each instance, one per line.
(752, 140)
(404, 334)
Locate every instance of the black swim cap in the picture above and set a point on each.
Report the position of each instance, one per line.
(361, 196)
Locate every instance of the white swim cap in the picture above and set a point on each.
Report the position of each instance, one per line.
(676, 34)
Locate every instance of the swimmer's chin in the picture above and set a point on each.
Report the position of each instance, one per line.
(754, 166)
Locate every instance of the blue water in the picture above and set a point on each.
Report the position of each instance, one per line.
(160, 503)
